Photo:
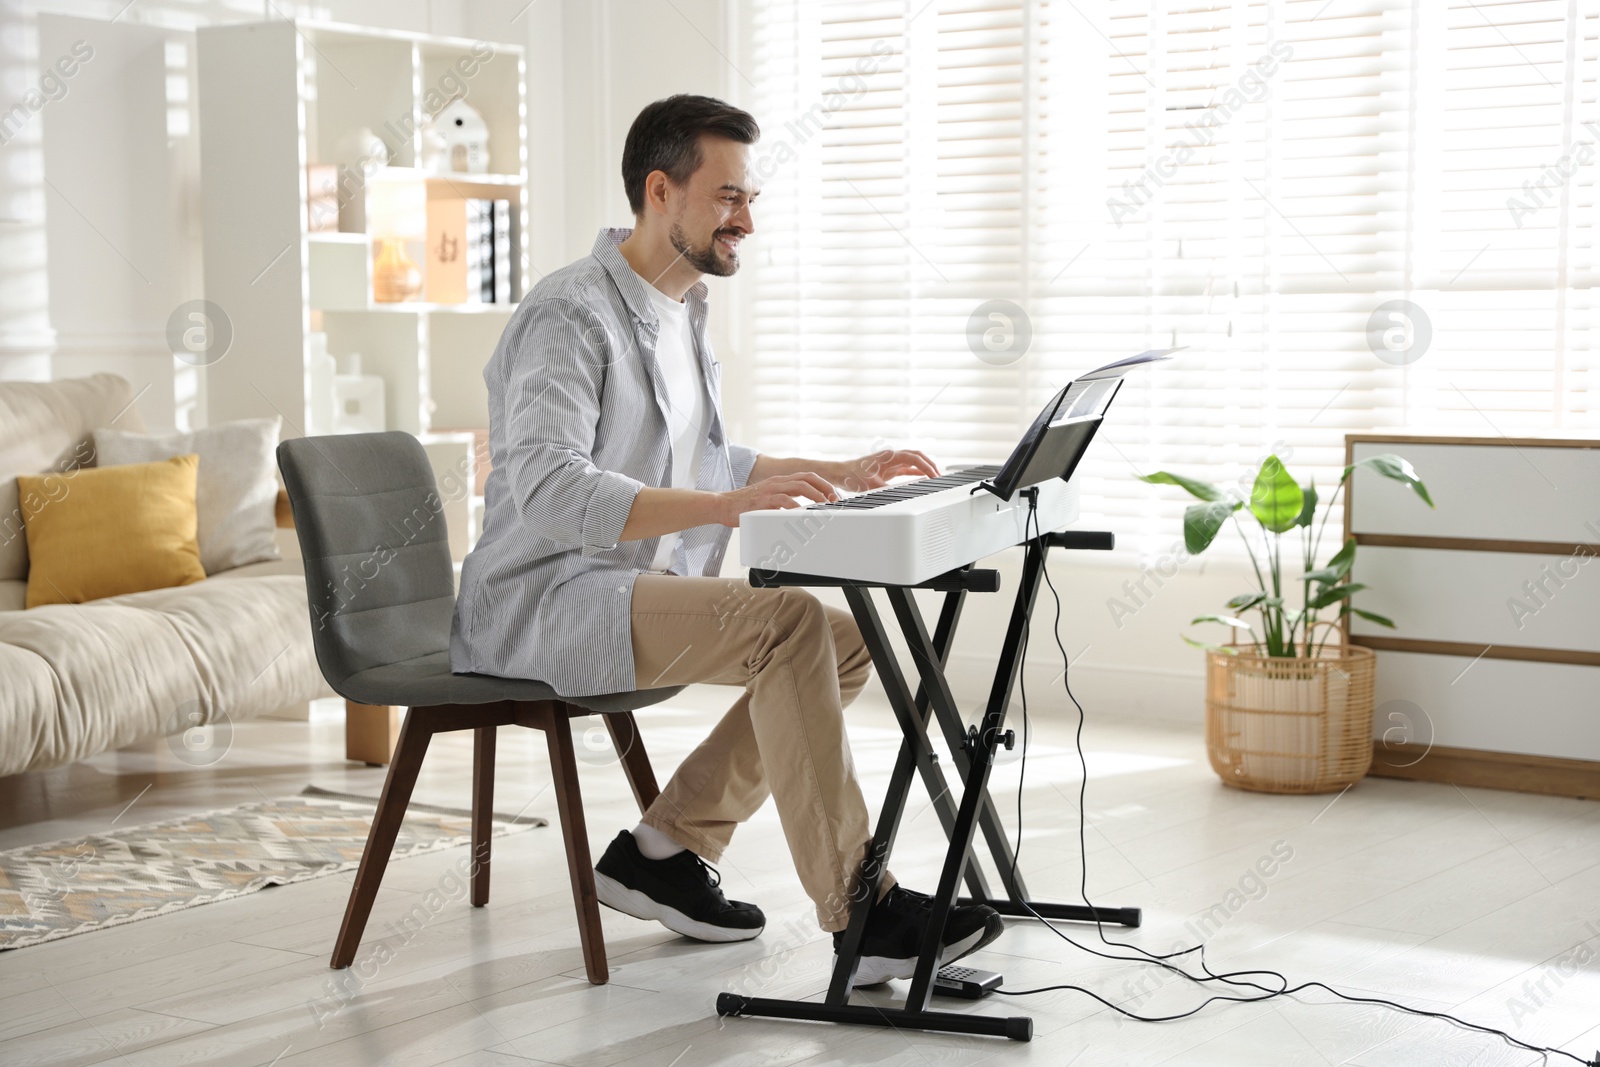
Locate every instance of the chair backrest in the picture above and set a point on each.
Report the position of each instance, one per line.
(377, 554)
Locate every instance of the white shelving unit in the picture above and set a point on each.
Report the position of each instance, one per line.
(276, 96)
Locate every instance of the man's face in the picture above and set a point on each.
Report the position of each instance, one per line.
(711, 212)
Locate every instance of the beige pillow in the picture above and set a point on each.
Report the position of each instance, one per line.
(49, 426)
(238, 487)
(95, 533)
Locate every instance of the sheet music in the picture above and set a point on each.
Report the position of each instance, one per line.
(1122, 366)
(1090, 393)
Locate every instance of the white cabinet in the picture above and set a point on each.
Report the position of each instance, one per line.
(1492, 676)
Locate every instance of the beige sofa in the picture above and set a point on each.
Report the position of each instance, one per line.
(78, 679)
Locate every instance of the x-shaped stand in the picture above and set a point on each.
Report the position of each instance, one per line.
(973, 752)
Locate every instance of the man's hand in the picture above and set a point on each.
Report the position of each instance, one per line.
(781, 491)
(878, 469)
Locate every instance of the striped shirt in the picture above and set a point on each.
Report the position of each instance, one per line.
(577, 426)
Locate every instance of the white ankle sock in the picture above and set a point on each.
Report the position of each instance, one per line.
(653, 844)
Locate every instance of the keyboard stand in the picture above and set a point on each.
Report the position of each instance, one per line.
(973, 753)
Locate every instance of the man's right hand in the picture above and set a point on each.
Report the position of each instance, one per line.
(779, 491)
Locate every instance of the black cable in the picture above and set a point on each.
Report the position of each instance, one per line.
(1232, 978)
(1032, 523)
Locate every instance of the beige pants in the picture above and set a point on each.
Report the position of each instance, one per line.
(799, 663)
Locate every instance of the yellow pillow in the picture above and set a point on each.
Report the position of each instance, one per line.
(104, 531)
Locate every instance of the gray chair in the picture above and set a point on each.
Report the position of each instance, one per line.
(382, 592)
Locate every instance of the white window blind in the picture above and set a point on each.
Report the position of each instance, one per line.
(904, 210)
(1253, 180)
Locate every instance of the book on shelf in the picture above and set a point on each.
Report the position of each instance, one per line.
(504, 258)
(472, 251)
(444, 268)
(480, 251)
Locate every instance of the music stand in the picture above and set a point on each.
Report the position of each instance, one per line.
(1061, 432)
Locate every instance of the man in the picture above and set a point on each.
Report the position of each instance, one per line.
(612, 491)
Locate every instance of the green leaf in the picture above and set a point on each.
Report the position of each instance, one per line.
(1224, 649)
(1246, 601)
(1372, 616)
(1200, 489)
(1275, 499)
(1202, 521)
(1333, 594)
(1307, 511)
(1394, 468)
(1337, 567)
(1226, 620)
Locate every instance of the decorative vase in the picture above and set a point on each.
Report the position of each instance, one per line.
(395, 276)
(1301, 724)
(358, 403)
(358, 399)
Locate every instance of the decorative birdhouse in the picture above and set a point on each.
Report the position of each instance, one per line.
(465, 136)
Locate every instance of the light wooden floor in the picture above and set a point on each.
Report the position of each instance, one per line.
(1484, 904)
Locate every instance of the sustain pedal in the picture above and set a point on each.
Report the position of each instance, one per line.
(968, 983)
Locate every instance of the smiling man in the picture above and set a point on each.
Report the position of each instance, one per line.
(607, 514)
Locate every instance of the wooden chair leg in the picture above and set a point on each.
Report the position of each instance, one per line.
(482, 811)
(574, 832)
(625, 737)
(392, 802)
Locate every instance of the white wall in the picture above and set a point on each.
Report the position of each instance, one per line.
(118, 175)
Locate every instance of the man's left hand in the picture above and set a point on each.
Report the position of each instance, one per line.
(878, 469)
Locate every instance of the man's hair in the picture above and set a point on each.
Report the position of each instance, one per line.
(666, 137)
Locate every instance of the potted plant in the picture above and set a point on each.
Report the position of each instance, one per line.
(1286, 711)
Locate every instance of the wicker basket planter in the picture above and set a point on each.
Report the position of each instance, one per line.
(1282, 725)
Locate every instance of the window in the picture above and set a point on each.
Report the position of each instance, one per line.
(1356, 214)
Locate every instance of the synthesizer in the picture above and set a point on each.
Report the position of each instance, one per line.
(909, 532)
(904, 533)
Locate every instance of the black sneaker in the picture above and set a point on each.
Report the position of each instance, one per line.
(680, 892)
(893, 937)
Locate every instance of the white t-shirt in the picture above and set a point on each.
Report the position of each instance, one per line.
(686, 396)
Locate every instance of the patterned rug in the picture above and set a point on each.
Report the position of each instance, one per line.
(69, 887)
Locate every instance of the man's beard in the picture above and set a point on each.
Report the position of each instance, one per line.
(705, 260)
